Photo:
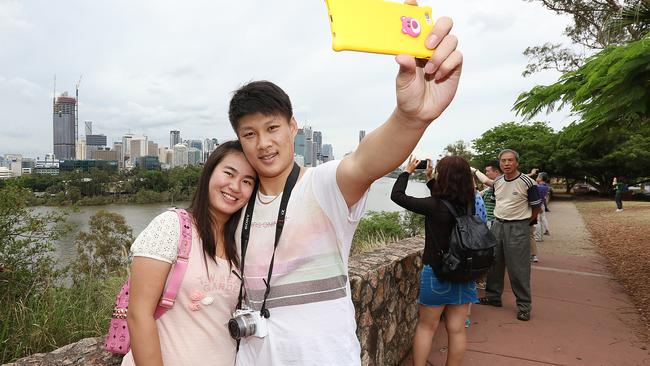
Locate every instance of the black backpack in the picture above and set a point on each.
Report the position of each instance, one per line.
(471, 249)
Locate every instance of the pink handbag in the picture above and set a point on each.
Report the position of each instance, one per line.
(118, 340)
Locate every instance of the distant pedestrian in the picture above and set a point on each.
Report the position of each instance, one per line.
(542, 228)
(619, 188)
(517, 206)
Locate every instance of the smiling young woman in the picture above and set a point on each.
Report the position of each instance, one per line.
(193, 330)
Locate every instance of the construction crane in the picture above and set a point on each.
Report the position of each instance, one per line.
(76, 114)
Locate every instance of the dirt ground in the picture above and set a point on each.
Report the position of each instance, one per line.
(623, 239)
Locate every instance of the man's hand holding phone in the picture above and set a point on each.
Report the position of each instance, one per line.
(426, 88)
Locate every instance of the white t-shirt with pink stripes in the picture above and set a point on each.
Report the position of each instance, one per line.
(312, 316)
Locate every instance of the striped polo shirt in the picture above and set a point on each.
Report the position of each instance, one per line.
(515, 198)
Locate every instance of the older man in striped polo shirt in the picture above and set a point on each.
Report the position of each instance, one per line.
(517, 206)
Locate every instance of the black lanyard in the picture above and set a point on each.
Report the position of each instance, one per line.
(246, 229)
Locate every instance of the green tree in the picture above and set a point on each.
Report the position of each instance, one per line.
(26, 245)
(103, 250)
(612, 90)
(596, 25)
(534, 142)
(459, 148)
(626, 153)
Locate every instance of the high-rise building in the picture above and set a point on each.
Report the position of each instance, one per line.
(328, 153)
(166, 157)
(105, 154)
(299, 143)
(94, 142)
(180, 155)
(152, 148)
(89, 127)
(81, 150)
(208, 147)
(117, 146)
(308, 151)
(28, 165)
(362, 134)
(15, 164)
(126, 150)
(63, 123)
(194, 156)
(318, 146)
(196, 144)
(139, 148)
(174, 138)
(169, 157)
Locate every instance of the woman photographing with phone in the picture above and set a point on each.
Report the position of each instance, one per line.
(454, 184)
(194, 331)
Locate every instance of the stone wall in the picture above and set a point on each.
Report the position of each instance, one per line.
(384, 287)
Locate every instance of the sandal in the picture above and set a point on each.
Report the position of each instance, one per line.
(486, 301)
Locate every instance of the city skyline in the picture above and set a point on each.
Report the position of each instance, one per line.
(145, 76)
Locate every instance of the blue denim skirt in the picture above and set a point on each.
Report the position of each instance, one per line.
(434, 292)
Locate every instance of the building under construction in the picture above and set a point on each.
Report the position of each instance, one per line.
(64, 126)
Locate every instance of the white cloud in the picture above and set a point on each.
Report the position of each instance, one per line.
(149, 66)
(11, 15)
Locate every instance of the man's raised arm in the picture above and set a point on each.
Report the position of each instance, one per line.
(424, 90)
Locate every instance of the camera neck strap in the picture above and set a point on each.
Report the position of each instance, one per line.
(246, 229)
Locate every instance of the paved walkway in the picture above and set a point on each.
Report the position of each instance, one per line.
(581, 316)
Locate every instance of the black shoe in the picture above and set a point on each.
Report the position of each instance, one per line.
(523, 315)
(486, 301)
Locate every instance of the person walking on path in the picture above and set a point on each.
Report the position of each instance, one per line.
(619, 187)
(453, 184)
(517, 206)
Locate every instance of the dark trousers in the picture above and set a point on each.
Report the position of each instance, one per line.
(618, 197)
(512, 253)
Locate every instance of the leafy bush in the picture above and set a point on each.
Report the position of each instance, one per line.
(39, 311)
(103, 250)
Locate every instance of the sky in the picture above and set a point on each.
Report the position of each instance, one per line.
(148, 67)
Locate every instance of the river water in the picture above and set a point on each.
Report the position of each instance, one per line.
(138, 216)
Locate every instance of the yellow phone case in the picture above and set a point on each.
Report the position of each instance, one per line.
(380, 26)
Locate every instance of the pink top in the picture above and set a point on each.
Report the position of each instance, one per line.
(195, 330)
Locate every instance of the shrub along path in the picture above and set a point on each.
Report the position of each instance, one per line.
(581, 314)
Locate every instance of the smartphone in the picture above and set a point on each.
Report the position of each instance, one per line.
(380, 26)
(422, 165)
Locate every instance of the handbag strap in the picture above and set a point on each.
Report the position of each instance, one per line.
(180, 265)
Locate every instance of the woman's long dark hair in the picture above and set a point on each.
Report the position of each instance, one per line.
(454, 182)
(200, 208)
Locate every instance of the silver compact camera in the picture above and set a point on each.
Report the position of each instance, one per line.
(246, 323)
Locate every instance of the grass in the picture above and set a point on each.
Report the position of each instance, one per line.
(55, 317)
(372, 242)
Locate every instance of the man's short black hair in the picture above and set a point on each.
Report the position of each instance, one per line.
(494, 165)
(259, 97)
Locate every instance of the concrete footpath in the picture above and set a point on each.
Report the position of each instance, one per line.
(581, 315)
